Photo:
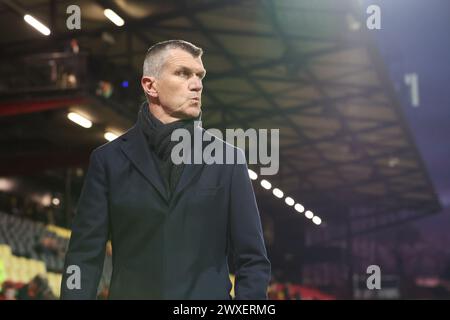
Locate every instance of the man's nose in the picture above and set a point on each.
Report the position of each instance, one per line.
(196, 84)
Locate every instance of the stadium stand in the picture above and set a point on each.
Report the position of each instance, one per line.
(29, 249)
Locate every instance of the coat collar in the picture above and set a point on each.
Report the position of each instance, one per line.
(134, 146)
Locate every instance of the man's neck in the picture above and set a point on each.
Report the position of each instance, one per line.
(159, 114)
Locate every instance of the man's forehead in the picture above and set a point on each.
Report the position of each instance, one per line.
(180, 58)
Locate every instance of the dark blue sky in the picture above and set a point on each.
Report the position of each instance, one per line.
(415, 37)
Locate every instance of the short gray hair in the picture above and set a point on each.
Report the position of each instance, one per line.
(156, 55)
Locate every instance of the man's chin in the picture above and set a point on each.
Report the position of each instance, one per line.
(188, 111)
(192, 112)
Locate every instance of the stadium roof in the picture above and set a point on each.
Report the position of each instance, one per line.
(308, 68)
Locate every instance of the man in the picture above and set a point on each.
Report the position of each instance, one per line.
(36, 289)
(172, 227)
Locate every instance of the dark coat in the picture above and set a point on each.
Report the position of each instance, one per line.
(166, 248)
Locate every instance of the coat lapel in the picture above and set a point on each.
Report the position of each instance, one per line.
(135, 148)
(190, 171)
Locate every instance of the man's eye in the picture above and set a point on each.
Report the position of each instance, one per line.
(183, 73)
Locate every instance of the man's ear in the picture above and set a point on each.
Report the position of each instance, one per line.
(148, 85)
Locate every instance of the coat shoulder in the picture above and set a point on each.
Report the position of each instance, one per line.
(114, 145)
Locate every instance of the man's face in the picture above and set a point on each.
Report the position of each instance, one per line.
(179, 85)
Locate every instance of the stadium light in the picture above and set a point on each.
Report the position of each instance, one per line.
(309, 214)
(56, 201)
(6, 184)
(114, 17)
(35, 23)
(110, 136)
(46, 200)
(266, 184)
(317, 220)
(278, 193)
(289, 201)
(252, 174)
(79, 120)
(299, 208)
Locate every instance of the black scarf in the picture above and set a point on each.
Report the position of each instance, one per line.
(158, 138)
